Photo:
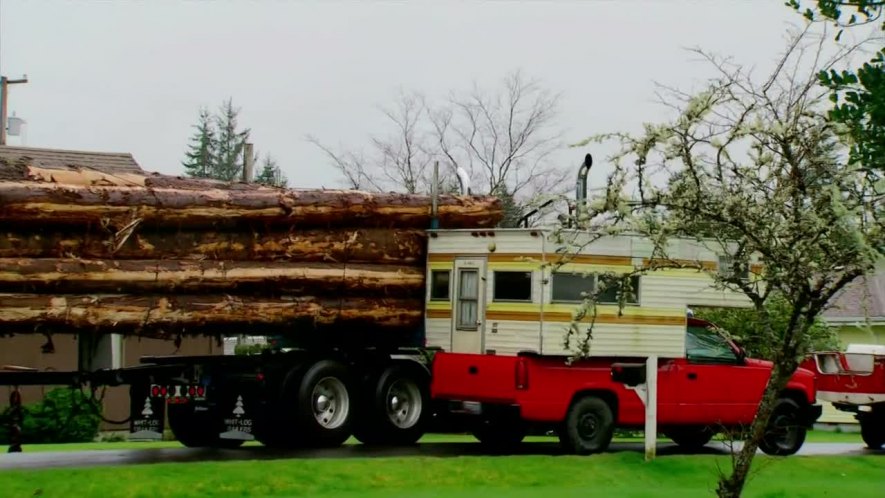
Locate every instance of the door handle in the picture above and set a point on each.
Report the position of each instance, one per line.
(692, 376)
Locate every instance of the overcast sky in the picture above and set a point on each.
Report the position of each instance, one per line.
(130, 77)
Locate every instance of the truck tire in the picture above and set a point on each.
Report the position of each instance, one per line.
(785, 433)
(589, 426)
(690, 438)
(323, 410)
(872, 429)
(197, 429)
(397, 408)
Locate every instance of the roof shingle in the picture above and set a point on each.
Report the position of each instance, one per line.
(863, 297)
(105, 162)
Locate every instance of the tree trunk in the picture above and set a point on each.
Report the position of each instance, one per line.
(400, 247)
(35, 202)
(146, 276)
(732, 486)
(195, 314)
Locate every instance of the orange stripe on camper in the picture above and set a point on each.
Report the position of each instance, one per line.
(534, 316)
(581, 259)
(439, 313)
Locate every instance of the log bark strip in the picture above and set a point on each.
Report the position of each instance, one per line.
(382, 246)
(195, 314)
(146, 276)
(26, 202)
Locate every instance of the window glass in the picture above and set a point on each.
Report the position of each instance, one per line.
(513, 286)
(468, 303)
(705, 345)
(439, 285)
(568, 287)
(610, 294)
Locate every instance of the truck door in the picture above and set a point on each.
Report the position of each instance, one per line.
(468, 320)
(709, 385)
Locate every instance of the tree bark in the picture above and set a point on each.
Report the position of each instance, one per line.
(115, 206)
(384, 246)
(194, 314)
(733, 485)
(146, 276)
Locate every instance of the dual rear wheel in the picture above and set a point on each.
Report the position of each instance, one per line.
(325, 405)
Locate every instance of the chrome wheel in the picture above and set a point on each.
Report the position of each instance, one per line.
(403, 403)
(331, 403)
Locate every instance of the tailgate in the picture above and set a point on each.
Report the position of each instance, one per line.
(474, 377)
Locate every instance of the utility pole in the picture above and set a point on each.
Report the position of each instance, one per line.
(247, 163)
(4, 92)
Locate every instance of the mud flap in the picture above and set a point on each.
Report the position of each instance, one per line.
(238, 410)
(148, 414)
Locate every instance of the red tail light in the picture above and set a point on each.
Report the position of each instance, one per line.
(522, 374)
(155, 391)
(192, 390)
(200, 391)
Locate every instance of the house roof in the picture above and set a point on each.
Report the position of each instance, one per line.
(105, 162)
(865, 297)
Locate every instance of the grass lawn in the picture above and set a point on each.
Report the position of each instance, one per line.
(613, 474)
(813, 437)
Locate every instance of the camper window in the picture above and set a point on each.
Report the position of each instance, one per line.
(439, 285)
(609, 295)
(468, 300)
(568, 287)
(512, 286)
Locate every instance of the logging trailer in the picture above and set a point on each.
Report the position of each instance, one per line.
(489, 359)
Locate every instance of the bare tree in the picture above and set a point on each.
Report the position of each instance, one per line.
(503, 139)
(405, 157)
(354, 166)
(754, 170)
(400, 160)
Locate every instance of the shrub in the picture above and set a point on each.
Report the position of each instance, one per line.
(250, 349)
(64, 415)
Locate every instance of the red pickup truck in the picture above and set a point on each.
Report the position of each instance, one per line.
(715, 388)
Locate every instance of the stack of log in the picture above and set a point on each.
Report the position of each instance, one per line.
(156, 255)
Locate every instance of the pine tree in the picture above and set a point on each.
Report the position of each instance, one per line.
(271, 174)
(200, 158)
(229, 152)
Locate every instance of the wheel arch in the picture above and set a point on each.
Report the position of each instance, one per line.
(796, 395)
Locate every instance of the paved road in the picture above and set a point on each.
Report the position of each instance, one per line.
(169, 455)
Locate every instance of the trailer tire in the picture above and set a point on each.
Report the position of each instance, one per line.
(785, 432)
(397, 408)
(589, 426)
(690, 438)
(323, 408)
(872, 429)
